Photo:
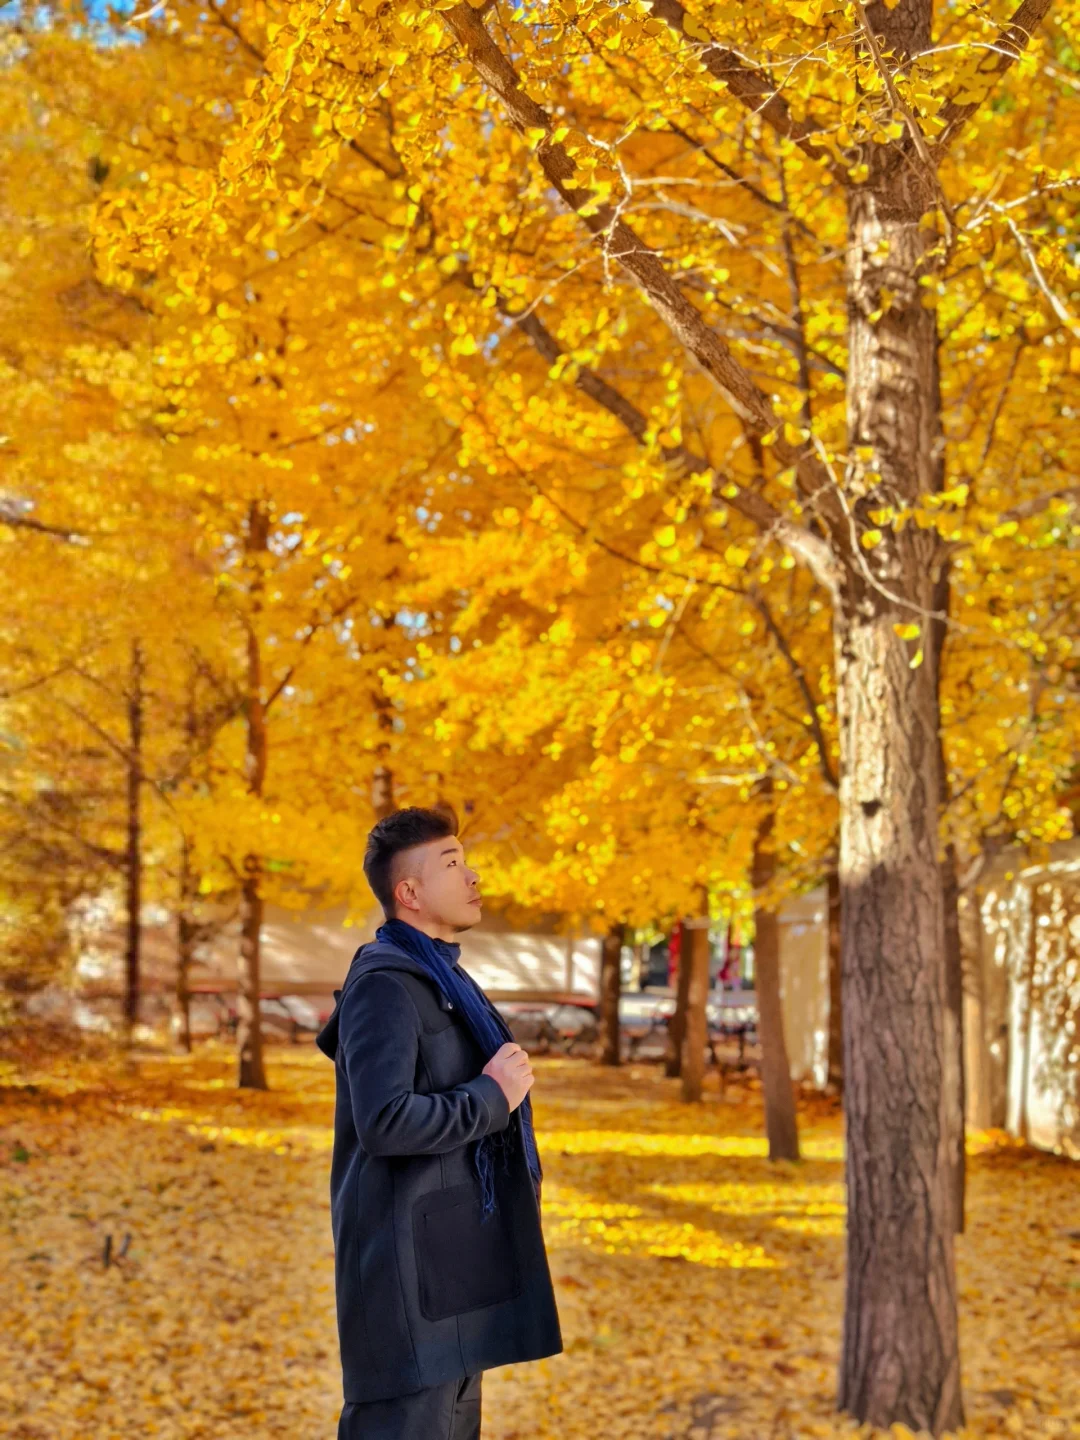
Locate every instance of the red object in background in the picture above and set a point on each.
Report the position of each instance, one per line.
(674, 950)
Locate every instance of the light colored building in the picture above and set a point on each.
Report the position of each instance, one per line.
(1020, 925)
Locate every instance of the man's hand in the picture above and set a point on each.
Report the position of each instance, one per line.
(509, 1067)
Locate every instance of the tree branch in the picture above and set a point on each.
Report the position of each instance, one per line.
(624, 245)
(16, 517)
(749, 85)
(1007, 50)
(803, 544)
(814, 724)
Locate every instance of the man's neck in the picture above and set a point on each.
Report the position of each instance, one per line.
(431, 928)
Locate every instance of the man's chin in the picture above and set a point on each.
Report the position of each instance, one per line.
(460, 926)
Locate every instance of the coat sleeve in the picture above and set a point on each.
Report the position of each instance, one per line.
(380, 1038)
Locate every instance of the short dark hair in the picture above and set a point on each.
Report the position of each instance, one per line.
(401, 831)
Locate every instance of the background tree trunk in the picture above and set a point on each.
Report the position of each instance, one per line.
(185, 947)
(382, 780)
(955, 1085)
(133, 853)
(950, 892)
(251, 1070)
(979, 1087)
(835, 1077)
(695, 1038)
(610, 991)
(901, 1357)
(677, 1024)
(781, 1122)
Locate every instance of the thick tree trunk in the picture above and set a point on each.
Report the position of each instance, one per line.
(695, 1038)
(835, 1077)
(610, 991)
(133, 854)
(677, 1025)
(901, 1359)
(251, 1071)
(781, 1122)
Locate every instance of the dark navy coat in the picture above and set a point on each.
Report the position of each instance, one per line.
(427, 1292)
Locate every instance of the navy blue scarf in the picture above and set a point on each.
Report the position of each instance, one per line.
(490, 1031)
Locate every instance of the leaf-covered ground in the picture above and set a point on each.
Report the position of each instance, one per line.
(700, 1287)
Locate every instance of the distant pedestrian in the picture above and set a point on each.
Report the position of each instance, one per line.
(435, 1184)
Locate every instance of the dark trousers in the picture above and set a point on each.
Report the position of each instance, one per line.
(445, 1412)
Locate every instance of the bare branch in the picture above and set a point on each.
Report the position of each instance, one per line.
(16, 516)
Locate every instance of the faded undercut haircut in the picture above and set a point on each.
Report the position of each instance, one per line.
(401, 831)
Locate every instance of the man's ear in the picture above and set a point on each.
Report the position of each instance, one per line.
(405, 897)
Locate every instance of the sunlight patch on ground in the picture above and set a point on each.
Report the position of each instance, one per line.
(574, 1218)
(814, 1209)
(678, 1146)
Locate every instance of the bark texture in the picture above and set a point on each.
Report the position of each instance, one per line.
(781, 1122)
(610, 992)
(901, 1358)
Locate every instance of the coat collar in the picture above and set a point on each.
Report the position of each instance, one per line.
(376, 955)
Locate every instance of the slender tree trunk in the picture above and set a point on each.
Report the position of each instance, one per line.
(133, 855)
(695, 1038)
(641, 963)
(186, 931)
(977, 1089)
(835, 1078)
(955, 1086)
(610, 992)
(781, 1122)
(382, 780)
(901, 1358)
(677, 1024)
(950, 894)
(252, 1072)
(1030, 972)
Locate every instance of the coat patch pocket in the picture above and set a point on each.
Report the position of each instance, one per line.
(463, 1263)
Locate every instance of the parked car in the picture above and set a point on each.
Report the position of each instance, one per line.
(287, 1017)
(281, 1017)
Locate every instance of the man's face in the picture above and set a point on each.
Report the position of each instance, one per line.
(433, 884)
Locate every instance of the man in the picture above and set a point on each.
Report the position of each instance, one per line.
(435, 1183)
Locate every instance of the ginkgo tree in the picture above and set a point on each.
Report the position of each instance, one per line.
(889, 126)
